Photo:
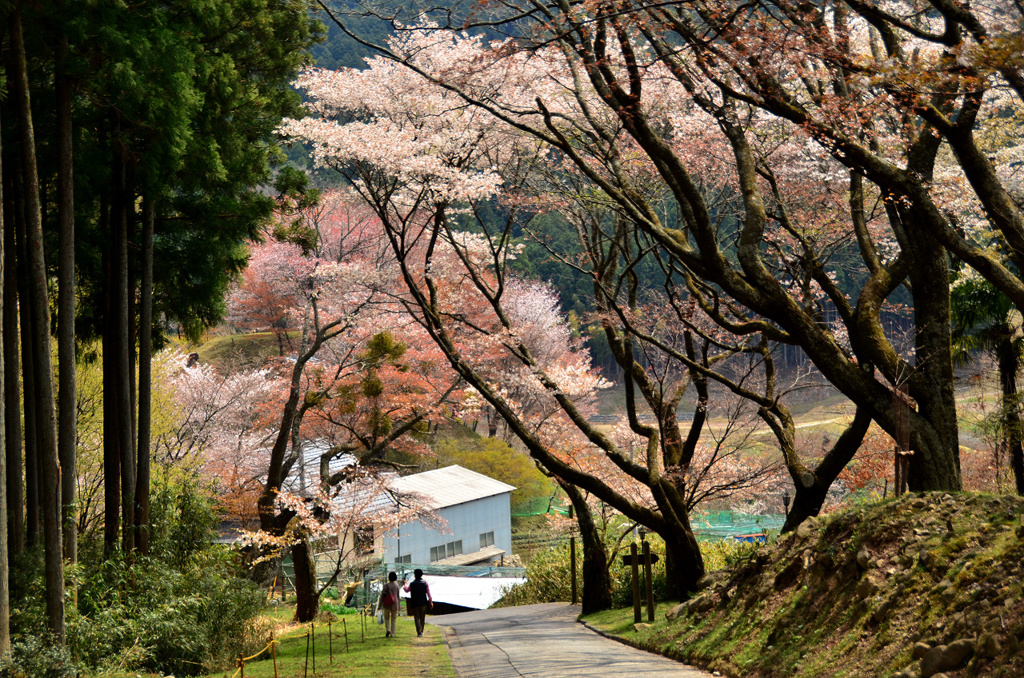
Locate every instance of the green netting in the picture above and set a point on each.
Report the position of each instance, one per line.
(537, 507)
(731, 525)
(405, 570)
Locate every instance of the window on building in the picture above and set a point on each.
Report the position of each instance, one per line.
(486, 539)
(404, 560)
(449, 550)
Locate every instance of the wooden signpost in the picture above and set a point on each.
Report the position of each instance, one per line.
(635, 561)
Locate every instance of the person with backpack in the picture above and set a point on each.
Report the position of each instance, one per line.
(389, 603)
(419, 600)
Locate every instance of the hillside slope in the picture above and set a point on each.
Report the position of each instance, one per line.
(922, 586)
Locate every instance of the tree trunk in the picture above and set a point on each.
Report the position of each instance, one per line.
(12, 387)
(307, 602)
(67, 426)
(5, 590)
(812, 486)
(46, 420)
(122, 349)
(684, 565)
(935, 464)
(111, 446)
(28, 381)
(145, 378)
(597, 581)
(1009, 360)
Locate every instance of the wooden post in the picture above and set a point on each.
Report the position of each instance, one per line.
(273, 654)
(635, 567)
(572, 557)
(330, 641)
(241, 664)
(897, 480)
(572, 568)
(650, 584)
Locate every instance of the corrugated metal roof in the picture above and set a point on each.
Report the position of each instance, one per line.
(304, 477)
(450, 486)
(364, 495)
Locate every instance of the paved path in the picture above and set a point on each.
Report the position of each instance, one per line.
(544, 641)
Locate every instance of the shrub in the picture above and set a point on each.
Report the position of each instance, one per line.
(38, 657)
(548, 578)
(184, 610)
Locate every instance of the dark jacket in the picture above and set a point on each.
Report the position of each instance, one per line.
(418, 593)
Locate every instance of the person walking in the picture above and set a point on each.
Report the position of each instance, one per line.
(419, 600)
(389, 603)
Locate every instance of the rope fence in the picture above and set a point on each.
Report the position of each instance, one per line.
(310, 634)
(240, 662)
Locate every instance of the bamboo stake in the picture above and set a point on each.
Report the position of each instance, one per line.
(305, 669)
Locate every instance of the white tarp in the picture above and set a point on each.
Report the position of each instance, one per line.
(477, 593)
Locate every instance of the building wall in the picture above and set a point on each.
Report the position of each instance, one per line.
(465, 521)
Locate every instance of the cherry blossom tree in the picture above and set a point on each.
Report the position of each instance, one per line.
(340, 514)
(362, 378)
(615, 94)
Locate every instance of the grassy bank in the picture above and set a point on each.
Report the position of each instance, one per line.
(343, 649)
(914, 587)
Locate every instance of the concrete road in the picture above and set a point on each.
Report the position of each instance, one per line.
(544, 641)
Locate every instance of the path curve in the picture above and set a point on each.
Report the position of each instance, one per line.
(544, 641)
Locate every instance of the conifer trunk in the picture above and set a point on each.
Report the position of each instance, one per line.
(122, 383)
(67, 425)
(49, 466)
(12, 387)
(145, 377)
(111, 447)
(28, 379)
(5, 597)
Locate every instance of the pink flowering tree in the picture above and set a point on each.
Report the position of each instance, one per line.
(343, 515)
(361, 378)
(910, 107)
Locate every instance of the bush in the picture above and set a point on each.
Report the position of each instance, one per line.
(154, 616)
(184, 610)
(548, 578)
(38, 657)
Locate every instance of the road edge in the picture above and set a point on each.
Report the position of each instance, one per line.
(638, 646)
(451, 641)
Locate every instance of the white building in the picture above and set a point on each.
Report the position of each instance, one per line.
(476, 509)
